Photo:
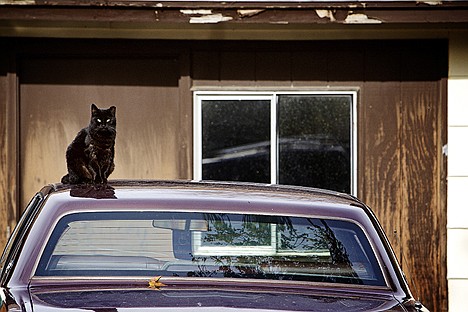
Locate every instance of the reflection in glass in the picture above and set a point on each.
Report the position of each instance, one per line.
(221, 245)
(311, 136)
(227, 231)
(314, 141)
(236, 140)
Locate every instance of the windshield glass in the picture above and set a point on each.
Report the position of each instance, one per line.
(211, 245)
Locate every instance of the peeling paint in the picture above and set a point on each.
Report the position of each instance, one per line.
(18, 2)
(205, 16)
(196, 12)
(358, 18)
(326, 14)
(249, 13)
(445, 150)
(430, 2)
(209, 19)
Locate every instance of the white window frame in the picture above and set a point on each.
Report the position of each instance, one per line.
(272, 96)
(200, 250)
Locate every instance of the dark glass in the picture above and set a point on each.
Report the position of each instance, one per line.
(314, 136)
(236, 140)
(221, 245)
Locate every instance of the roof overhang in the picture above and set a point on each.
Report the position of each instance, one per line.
(232, 20)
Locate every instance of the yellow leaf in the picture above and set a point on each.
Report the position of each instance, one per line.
(154, 283)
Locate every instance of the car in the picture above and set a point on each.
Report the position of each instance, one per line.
(199, 246)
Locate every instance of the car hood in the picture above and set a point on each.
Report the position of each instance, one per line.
(195, 298)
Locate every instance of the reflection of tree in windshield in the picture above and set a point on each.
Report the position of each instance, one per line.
(299, 239)
(225, 232)
(337, 250)
(339, 255)
(303, 246)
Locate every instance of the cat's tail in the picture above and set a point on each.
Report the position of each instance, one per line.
(66, 179)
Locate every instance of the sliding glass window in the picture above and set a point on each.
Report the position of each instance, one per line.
(296, 138)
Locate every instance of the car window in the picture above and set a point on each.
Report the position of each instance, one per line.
(212, 245)
(14, 243)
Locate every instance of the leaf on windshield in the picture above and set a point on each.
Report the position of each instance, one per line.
(154, 283)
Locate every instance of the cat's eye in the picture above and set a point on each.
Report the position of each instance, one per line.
(108, 120)
(99, 120)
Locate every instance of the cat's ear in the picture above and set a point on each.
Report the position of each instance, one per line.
(112, 110)
(94, 109)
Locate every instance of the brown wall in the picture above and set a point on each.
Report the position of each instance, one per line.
(9, 212)
(55, 105)
(401, 119)
(401, 125)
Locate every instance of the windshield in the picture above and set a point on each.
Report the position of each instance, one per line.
(211, 245)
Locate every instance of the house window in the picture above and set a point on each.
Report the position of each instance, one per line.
(297, 138)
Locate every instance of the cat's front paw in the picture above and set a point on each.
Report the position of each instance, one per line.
(100, 180)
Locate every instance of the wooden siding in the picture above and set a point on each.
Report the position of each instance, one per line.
(401, 125)
(55, 105)
(401, 119)
(9, 200)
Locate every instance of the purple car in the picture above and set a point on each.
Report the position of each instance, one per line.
(199, 246)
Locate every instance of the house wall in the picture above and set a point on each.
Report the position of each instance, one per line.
(9, 213)
(457, 219)
(457, 225)
(401, 118)
(55, 105)
(386, 185)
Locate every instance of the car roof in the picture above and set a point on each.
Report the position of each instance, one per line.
(205, 196)
(223, 189)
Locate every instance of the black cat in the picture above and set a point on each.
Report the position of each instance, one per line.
(90, 157)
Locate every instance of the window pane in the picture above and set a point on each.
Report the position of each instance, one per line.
(230, 232)
(221, 245)
(236, 140)
(314, 141)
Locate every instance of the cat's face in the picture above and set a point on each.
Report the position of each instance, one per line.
(103, 121)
